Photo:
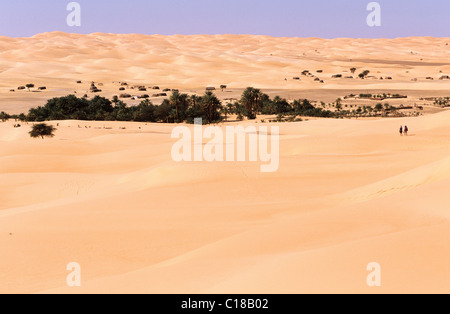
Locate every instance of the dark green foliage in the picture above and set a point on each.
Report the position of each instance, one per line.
(42, 130)
(302, 105)
(305, 108)
(442, 101)
(98, 108)
(364, 74)
(145, 112)
(275, 106)
(4, 116)
(195, 112)
(252, 100)
(177, 109)
(63, 108)
(165, 112)
(22, 117)
(211, 106)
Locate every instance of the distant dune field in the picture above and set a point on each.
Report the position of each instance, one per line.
(191, 63)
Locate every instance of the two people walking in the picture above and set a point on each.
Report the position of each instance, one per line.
(404, 130)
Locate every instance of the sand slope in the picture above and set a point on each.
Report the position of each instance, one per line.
(114, 202)
(57, 60)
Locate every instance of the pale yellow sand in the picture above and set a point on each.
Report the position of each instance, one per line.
(347, 193)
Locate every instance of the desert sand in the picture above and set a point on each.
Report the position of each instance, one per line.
(191, 63)
(108, 196)
(347, 193)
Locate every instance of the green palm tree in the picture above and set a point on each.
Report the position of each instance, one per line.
(251, 100)
(180, 102)
(339, 104)
(212, 105)
(195, 101)
(175, 101)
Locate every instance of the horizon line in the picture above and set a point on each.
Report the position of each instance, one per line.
(223, 34)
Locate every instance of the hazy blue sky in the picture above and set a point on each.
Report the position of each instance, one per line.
(303, 18)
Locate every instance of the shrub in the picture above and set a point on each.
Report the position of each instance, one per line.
(42, 130)
(4, 116)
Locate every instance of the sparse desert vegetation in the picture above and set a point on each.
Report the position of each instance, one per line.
(42, 130)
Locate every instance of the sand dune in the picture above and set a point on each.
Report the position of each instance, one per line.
(57, 60)
(114, 202)
(108, 196)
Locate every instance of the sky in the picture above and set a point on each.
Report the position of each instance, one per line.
(281, 18)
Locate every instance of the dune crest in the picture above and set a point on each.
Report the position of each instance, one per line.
(57, 60)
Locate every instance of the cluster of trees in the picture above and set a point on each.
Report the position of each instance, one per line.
(445, 101)
(4, 116)
(176, 109)
(363, 74)
(185, 108)
(254, 102)
(367, 111)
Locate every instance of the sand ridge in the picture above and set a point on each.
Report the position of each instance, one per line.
(191, 63)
